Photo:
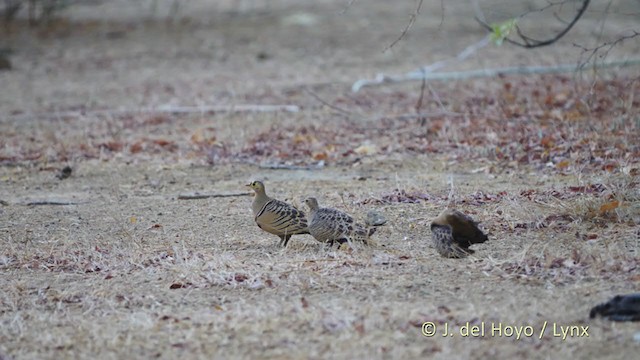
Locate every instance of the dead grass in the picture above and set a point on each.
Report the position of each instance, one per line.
(202, 280)
(132, 271)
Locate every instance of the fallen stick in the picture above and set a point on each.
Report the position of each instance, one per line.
(53, 202)
(463, 75)
(275, 166)
(173, 110)
(421, 115)
(197, 196)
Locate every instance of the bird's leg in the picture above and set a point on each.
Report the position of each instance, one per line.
(285, 239)
(343, 241)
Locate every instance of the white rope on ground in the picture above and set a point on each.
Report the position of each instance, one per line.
(462, 75)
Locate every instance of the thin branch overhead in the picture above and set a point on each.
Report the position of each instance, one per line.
(327, 104)
(590, 53)
(528, 42)
(412, 20)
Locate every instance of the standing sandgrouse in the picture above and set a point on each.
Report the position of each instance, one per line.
(275, 216)
(453, 232)
(330, 225)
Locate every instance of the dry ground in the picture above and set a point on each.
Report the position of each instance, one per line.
(548, 164)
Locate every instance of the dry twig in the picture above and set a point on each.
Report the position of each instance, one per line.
(412, 20)
(198, 196)
(53, 202)
(327, 104)
(172, 110)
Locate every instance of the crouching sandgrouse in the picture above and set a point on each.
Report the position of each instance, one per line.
(330, 225)
(275, 216)
(453, 232)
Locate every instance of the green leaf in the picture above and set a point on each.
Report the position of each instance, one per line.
(502, 30)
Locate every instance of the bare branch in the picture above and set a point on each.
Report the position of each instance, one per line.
(412, 20)
(421, 115)
(436, 97)
(198, 196)
(606, 45)
(53, 202)
(327, 104)
(441, 15)
(528, 42)
(422, 87)
(279, 166)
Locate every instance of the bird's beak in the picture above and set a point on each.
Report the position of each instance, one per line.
(248, 185)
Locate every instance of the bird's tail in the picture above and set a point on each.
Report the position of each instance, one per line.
(372, 231)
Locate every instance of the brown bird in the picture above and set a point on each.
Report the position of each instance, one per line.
(331, 225)
(453, 232)
(275, 216)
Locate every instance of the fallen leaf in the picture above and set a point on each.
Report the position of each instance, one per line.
(547, 142)
(560, 99)
(197, 136)
(573, 115)
(610, 167)
(320, 156)
(204, 136)
(162, 142)
(136, 147)
(609, 206)
(366, 149)
(111, 146)
(302, 139)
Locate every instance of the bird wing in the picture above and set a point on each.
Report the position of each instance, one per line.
(329, 224)
(280, 218)
(446, 245)
(465, 229)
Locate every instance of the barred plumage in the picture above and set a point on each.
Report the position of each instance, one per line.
(331, 225)
(275, 216)
(453, 232)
